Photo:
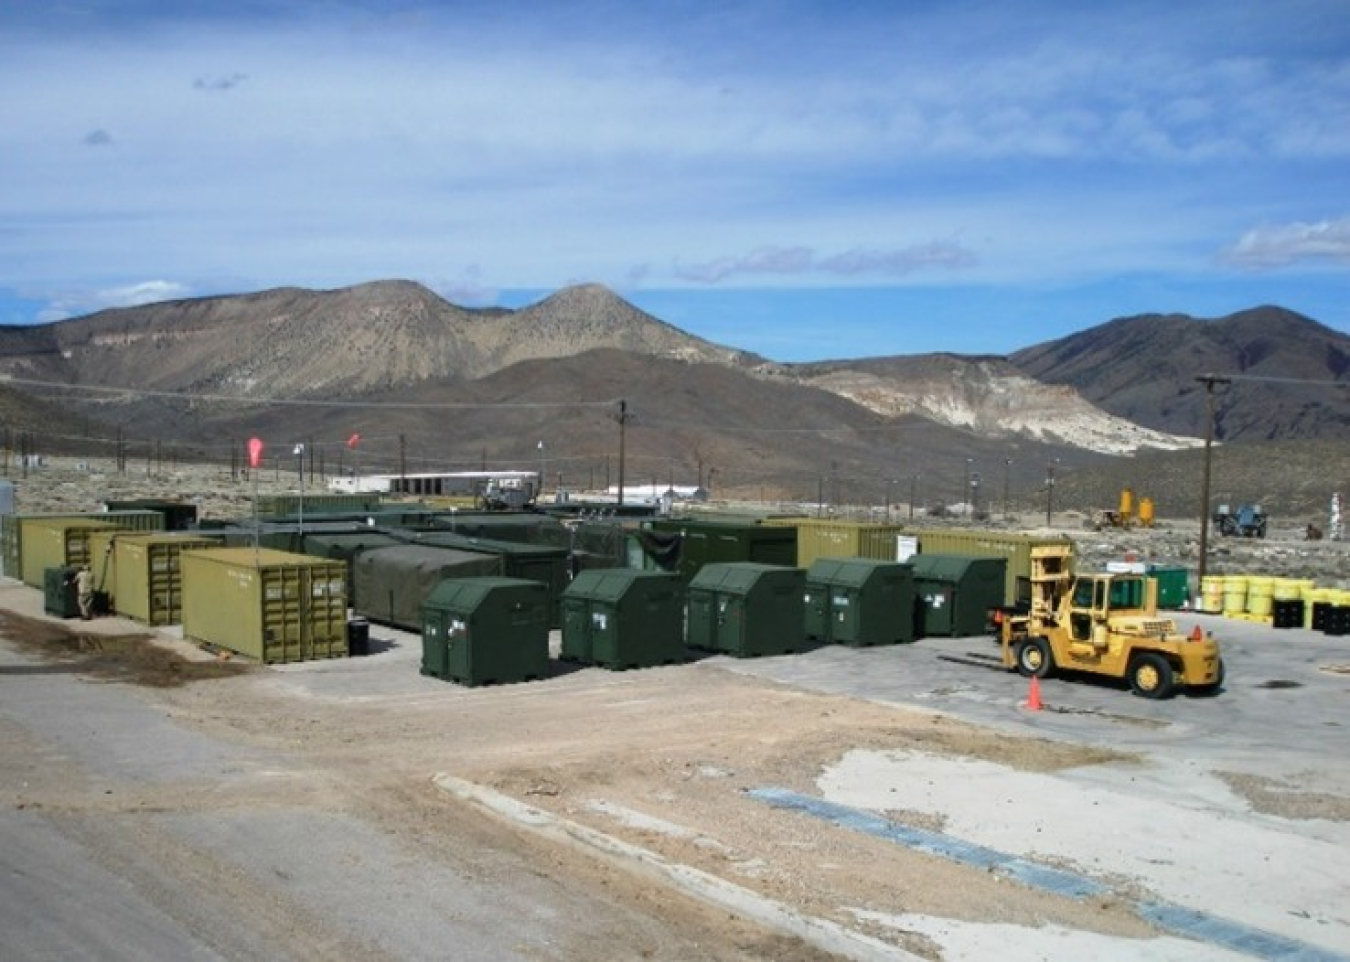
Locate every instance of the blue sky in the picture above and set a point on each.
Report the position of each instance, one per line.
(806, 180)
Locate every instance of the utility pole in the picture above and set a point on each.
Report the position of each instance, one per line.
(1007, 469)
(1049, 491)
(623, 417)
(1210, 381)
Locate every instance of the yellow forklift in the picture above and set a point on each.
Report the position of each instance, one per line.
(1106, 624)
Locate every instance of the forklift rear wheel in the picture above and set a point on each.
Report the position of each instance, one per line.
(1034, 658)
(1151, 676)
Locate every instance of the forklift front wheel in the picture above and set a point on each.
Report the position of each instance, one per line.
(1151, 676)
(1034, 658)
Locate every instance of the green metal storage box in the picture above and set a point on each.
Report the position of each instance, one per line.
(860, 601)
(270, 605)
(1013, 547)
(705, 541)
(59, 598)
(392, 584)
(621, 618)
(1174, 585)
(955, 593)
(143, 573)
(482, 631)
(747, 609)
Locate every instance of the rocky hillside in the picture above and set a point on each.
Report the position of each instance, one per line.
(1292, 373)
(986, 396)
(305, 344)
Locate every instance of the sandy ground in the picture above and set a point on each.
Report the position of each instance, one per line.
(667, 759)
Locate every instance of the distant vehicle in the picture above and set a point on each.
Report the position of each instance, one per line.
(1248, 521)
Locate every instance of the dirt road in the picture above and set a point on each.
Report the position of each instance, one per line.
(296, 805)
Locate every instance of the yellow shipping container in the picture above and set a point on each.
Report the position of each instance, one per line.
(829, 538)
(274, 606)
(144, 573)
(54, 543)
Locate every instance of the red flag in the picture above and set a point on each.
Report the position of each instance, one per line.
(255, 447)
(351, 441)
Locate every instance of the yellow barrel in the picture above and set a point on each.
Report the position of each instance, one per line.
(1234, 595)
(1286, 589)
(1211, 594)
(1259, 596)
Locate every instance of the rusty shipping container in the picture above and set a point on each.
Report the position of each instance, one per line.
(274, 606)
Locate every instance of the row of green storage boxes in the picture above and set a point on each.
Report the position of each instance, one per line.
(491, 630)
(695, 541)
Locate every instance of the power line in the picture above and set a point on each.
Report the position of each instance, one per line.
(301, 402)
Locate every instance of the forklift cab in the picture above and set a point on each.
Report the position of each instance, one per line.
(1096, 597)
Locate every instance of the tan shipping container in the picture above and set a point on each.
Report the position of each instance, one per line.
(142, 572)
(271, 605)
(11, 533)
(830, 538)
(55, 543)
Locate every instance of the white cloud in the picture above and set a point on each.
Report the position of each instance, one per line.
(802, 261)
(74, 304)
(1266, 248)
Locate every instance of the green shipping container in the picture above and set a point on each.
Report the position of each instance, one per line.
(392, 584)
(483, 631)
(955, 593)
(685, 545)
(270, 605)
(622, 618)
(860, 601)
(747, 609)
(533, 562)
(272, 505)
(144, 573)
(1174, 585)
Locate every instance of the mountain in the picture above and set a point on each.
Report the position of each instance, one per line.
(1290, 373)
(303, 344)
(429, 385)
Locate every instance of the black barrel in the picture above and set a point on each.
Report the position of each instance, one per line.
(1320, 611)
(358, 637)
(1287, 613)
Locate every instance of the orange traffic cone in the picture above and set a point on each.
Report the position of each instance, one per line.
(1197, 634)
(1034, 694)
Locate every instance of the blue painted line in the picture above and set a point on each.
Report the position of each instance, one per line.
(1172, 918)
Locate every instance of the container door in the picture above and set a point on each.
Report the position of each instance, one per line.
(576, 630)
(283, 636)
(845, 617)
(731, 623)
(817, 601)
